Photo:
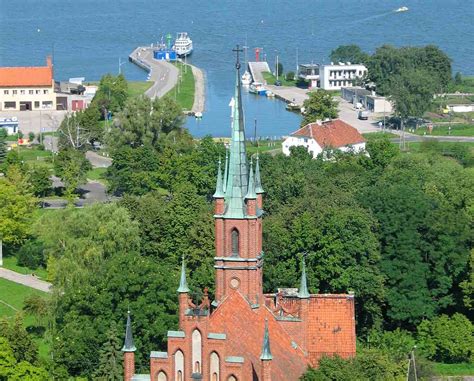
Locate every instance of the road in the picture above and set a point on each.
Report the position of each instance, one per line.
(162, 73)
(26, 280)
(34, 121)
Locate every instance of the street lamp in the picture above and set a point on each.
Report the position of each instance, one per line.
(276, 70)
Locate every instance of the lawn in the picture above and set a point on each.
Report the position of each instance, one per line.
(464, 369)
(97, 174)
(11, 264)
(264, 146)
(444, 130)
(183, 92)
(33, 154)
(12, 299)
(379, 135)
(271, 79)
(137, 88)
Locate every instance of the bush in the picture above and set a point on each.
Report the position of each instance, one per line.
(31, 254)
(31, 136)
(447, 339)
(290, 76)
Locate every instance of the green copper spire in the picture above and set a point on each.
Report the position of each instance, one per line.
(303, 292)
(224, 185)
(183, 285)
(258, 183)
(128, 346)
(219, 188)
(266, 352)
(251, 188)
(236, 186)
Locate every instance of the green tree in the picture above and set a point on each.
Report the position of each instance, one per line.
(144, 122)
(381, 152)
(458, 78)
(7, 360)
(39, 178)
(279, 69)
(80, 129)
(31, 254)
(110, 366)
(349, 53)
(16, 212)
(21, 343)
(3, 145)
(447, 339)
(111, 94)
(467, 285)
(319, 106)
(71, 166)
(36, 306)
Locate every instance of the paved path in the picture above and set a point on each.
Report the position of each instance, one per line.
(98, 161)
(256, 69)
(162, 73)
(199, 85)
(26, 280)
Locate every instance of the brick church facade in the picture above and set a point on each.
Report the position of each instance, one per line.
(245, 334)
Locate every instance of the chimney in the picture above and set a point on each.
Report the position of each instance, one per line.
(49, 61)
(319, 122)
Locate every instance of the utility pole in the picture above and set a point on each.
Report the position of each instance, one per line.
(277, 71)
(296, 61)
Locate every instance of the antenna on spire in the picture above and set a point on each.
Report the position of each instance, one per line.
(237, 50)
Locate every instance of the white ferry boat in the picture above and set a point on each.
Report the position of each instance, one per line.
(246, 78)
(401, 9)
(183, 46)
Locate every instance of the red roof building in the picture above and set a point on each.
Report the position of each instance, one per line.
(316, 137)
(246, 334)
(27, 88)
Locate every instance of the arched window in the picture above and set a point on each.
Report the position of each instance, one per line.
(214, 367)
(179, 365)
(197, 351)
(232, 378)
(235, 242)
(162, 376)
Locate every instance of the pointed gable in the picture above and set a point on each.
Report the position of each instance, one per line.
(243, 327)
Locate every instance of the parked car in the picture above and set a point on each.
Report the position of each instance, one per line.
(277, 83)
(363, 115)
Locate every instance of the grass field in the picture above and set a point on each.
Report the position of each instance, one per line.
(443, 130)
(271, 79)
(454, 369)
(183, 93)
(264, 146)
(379, 135)
(12, 299)
(97, 174)
(137, 88)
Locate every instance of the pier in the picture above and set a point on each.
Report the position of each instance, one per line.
(165, 76)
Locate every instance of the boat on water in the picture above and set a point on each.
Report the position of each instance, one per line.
(293, 107)
(183, 45)
(246, 78)
(270, 94)
(257, 88)
(401, 9)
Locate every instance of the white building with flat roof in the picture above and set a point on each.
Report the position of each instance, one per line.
(335, 77)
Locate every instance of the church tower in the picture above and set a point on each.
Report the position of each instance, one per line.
(238, 215)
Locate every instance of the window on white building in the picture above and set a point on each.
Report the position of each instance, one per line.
(31, 92)
(22, 92)
(15, 92)
(38, 91)
(45, 91)
(5, 92)
(9, 105)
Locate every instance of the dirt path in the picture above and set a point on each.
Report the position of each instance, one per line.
(199, 90)
(25, 280)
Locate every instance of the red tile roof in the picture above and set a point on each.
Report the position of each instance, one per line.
(334, 133)
(26, 76)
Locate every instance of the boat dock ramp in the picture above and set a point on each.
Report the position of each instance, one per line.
(165, 76)
(288, 94)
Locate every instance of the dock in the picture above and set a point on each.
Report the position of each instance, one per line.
(165, 76)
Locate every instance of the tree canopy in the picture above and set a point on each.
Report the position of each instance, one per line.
(349, 53)
(319, 106)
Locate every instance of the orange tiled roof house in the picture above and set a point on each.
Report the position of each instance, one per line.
(27, 88)
(334, 134)
(244, 334)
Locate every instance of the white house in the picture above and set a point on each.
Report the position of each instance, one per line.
(334, 77)
(334, 134)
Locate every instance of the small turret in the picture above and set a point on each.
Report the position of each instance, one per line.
(224, 183)
(258, 182)
(266, 356)
(219, 193)
(251, 187)
(303, 292)
(129, 351)
(183, 284)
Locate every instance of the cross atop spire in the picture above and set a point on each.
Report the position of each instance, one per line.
(128, 346)
(237, 50)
